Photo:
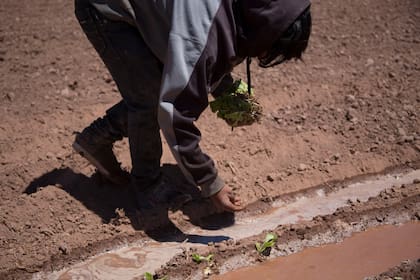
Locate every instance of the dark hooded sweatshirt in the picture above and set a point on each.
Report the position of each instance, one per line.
(199, 42)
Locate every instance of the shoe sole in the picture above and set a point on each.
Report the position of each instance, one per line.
(81, 151)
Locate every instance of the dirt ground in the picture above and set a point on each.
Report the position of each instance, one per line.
(351, 108)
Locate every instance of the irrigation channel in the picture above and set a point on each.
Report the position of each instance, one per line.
(309, 219)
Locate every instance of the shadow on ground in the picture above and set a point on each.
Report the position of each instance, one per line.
(104, 198)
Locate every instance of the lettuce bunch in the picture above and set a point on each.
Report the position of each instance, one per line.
(236, 106)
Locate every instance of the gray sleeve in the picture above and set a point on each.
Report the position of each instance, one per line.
(184, 91)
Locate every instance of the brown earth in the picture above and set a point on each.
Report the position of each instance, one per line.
(350, 109)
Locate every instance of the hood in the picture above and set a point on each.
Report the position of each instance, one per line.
(262, 22)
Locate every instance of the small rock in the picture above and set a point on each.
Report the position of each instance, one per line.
(65, 92)
(10, 96)
(369, 62)
(222, 247)
(302, 167)
(408, 139)
(351, 115)
(350, 98)
(107, 79)
(270, 178)
(52, 70)
(401, 132)
(336, 157)
(73, 85)
(63, 248)
(323, 127)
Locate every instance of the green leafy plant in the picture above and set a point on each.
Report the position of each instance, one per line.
(149, 276)
(269, 241)
(198, 258)
(236, 106)
(209, 260)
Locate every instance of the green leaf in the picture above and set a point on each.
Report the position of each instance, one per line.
(269, 241)
(198, 258)
(149, 276)
(270, 237)
(209, 257)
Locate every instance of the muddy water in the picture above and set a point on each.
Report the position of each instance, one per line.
(364, 254)
(132, 261)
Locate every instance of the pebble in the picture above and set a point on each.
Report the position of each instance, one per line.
(401, 132)
(10, 96)
(336, 157)
(350, 98)
(270, 178)
(351, 115)
(222, 247)
(49, 155)
(302, 167)
(63, 248)
(408, 139)
(65, 91)
(369, 62)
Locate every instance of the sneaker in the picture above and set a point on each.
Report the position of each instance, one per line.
(102, 157)
(162, 194)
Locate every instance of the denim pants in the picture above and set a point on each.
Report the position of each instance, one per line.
(137, 74)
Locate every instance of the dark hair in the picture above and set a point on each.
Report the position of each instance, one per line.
(292, 43)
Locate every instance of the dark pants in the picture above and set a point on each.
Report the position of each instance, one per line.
(137, 73)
